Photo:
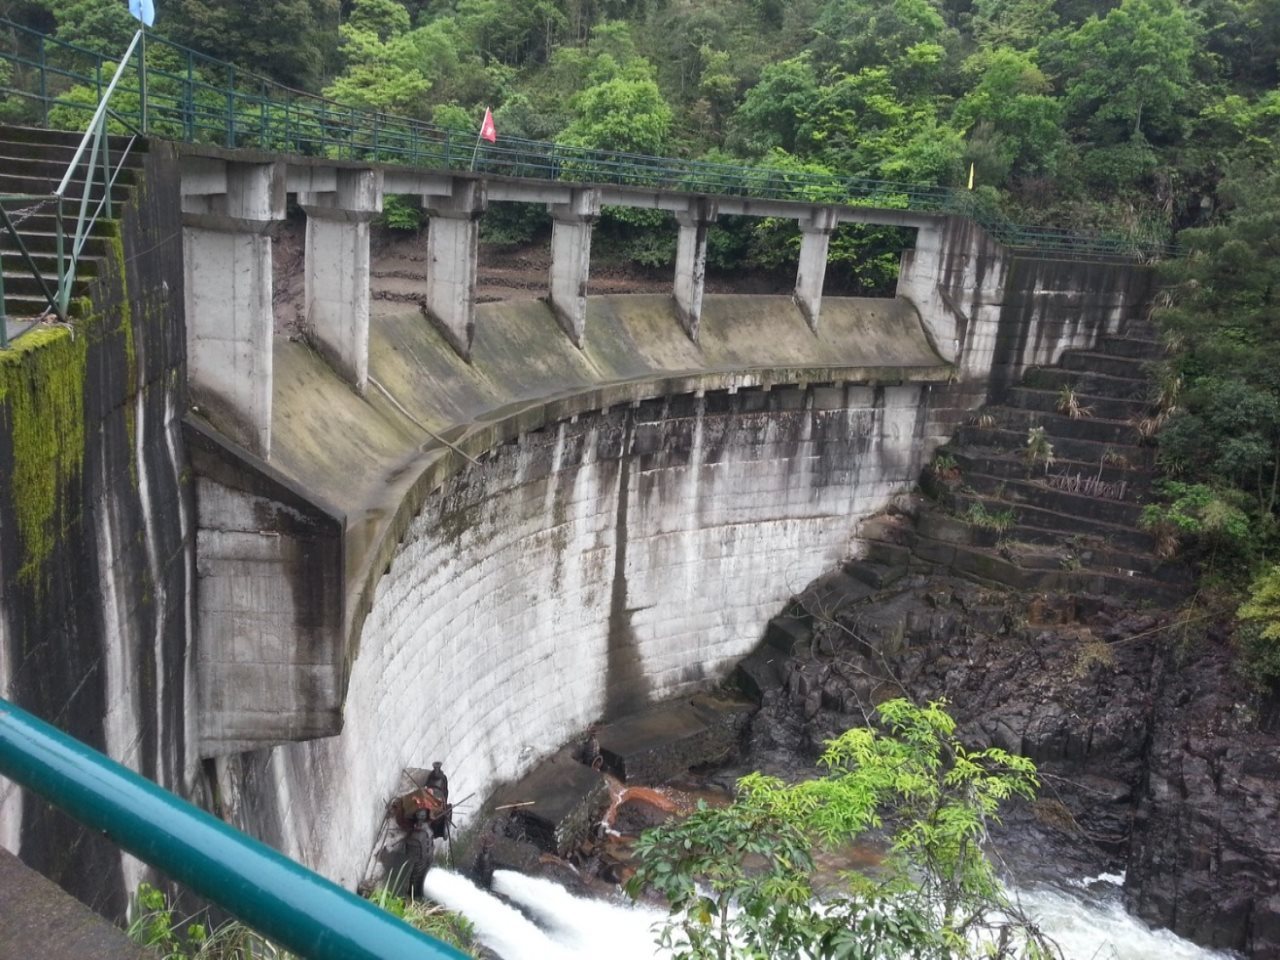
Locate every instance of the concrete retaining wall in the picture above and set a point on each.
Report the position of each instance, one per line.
(578, 570)
(995, 312)
(95, 537)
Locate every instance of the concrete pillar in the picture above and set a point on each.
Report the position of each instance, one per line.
(691, 262)
(571, 259)
(453, 242)
(227, 254)
(815, 237)
(337, 270)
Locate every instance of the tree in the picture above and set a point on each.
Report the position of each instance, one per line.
(1130, 71)
(290, 40)
(626, 113)
(1012, 101)
(1224, 311)
(740, 880)
(1018, 24)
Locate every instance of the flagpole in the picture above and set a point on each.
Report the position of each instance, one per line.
(476, 149)
(142, 82)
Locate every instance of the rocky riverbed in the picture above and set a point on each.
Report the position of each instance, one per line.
(1158, 761)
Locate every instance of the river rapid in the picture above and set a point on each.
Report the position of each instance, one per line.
(540, 920)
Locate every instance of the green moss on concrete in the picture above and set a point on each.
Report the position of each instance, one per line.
(42, 390)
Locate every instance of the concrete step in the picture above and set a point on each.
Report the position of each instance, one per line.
(1093, 384)
(46, 244)
(1038, 493)
(20, 284)
(47, 264)
(41, 186)
(1007, 465)
(874, 573)
(1093, 362)
(833, 592)
(46, 224)
(1008, 440)
(52, 170)
(1058, 426)
(988, 565)
(1046, 401)
(1138, 348)
(1065, 524)
(68, 140)
(785, 633)
(40, 920)
(1083, 554)
(1139, 328)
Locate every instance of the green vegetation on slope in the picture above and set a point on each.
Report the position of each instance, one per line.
(1220, 446)
(155, 925)
(1115, 115)
(741, 881)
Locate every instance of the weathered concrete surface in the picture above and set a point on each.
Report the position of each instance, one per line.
(37, 919)
(269, 641)
(94, 617)
(568, 798)
(227, 254)
(666, 740)
(336, 285)
(638, 508)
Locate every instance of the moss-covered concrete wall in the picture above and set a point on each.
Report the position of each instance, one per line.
(95, 564)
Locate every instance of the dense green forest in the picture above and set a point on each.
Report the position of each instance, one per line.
(1121, 116)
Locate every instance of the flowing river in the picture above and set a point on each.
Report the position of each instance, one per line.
(1088, 921)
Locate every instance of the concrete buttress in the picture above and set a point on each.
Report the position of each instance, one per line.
(691, 262)
(227, 249)
(337, 270)
(815, 238)
(571, 259)
(453, 238)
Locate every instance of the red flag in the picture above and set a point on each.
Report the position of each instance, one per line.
(487, 130)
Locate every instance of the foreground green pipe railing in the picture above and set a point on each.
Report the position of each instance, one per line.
(282, 900)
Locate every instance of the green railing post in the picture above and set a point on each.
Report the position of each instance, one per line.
(188, 105)
(44, 88)
(142, 78)
(282, 900)
(106, 165)
(262, 116)
(231, 106)
(4, 313)
(59, 243)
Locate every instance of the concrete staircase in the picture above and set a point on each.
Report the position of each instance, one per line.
(990, 517)
(33, 162)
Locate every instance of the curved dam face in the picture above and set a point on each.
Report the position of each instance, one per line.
(610, 554)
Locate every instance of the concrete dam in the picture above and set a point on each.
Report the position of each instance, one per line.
(270, 571)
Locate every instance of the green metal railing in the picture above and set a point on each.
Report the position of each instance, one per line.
(91, 163)
(282, 900)
(183, 95)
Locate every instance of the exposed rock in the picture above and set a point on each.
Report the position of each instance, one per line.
(1152, 756)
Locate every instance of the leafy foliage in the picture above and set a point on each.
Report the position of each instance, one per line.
(156, 926)
(1260, 639)
(740, 880)
(1221, 445)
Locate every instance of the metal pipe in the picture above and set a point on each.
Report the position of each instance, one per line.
(282, 900)
(97, 114)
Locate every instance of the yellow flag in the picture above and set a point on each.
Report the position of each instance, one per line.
(971, 176)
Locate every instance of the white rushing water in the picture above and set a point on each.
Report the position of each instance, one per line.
(1088, 922)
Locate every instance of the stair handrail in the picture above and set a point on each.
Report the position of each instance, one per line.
(281, 899)
(99, 159)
